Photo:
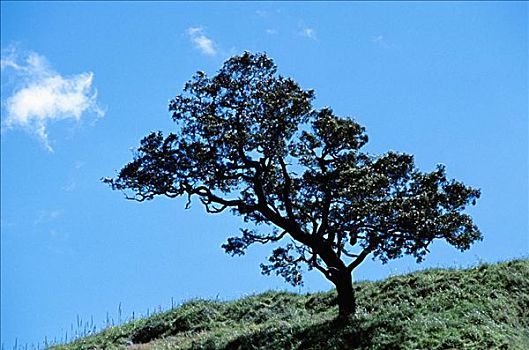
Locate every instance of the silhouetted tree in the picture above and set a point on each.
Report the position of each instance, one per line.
(249, 140)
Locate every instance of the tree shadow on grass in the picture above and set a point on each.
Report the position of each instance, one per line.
(328, 335)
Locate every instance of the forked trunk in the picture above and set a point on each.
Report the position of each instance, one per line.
(346, 297)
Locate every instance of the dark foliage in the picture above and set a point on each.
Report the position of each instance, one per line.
(249, 140)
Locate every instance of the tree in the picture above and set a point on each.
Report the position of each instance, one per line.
(249, 140)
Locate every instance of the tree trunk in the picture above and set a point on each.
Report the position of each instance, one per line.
(346, 297)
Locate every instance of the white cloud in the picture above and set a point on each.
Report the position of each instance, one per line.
(42, 96)
(271, 31)
(308, 33)
(201, 41)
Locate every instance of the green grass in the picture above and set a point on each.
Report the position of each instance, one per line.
(485, 307)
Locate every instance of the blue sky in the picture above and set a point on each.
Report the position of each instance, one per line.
(82, 83)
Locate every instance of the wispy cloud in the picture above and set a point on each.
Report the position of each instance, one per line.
(41, 96)
(308, 33)
(271, 31)
(71, 184)
(380, 41)
(262, 13)
(206, 45)
(267, 13)
(48, 215)
(59, 235)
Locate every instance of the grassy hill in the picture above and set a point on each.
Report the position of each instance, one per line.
(485, 307)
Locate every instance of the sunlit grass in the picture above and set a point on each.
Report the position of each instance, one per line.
(485, 307)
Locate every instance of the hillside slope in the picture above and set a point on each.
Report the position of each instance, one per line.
(486, 307)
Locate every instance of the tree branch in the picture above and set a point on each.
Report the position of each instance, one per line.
(208, 198)
(287, 189)
(326, 205)
(265, 239)
(288, 225)
(361, 257)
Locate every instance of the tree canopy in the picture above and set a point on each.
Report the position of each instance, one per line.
(250, 140)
